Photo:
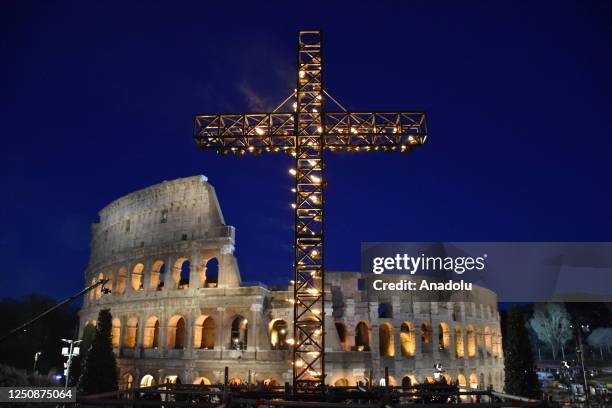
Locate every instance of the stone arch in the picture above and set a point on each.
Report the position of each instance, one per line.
(211, 273)
(181, 272)
(137, 277)
(471, 341)
(235, 381)
(341, 382)
(456, 312)
(151, 333)
(278, 334)
(270, 382)
(459, 347)
(461, 380)
(481, 380)
(443, 336)
(490, 379)
(116, 332)
(147, 380)
(487, 339)
(407, 339)
(426, 335)
(127, 381)
(202, 381)
(473, 381)
(131, 333)
(341, 330)
(99, 287)
(92, 293)
(172, 379)
(158, 270)
(176, 332)
(238, 333)
(109, 284)
(385, 338)
(362, 336)
(409, 380)
(121, 281)
(392, 381)
(204, 333)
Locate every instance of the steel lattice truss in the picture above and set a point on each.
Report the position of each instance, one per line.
(305, 133)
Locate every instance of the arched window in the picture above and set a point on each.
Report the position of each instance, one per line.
(459, 349)
(384, 310)
(151, 334)
(172, 379)
(239, 331)
(176, 332)
(342, 382)
(278, 335)
(201, 381)
(137, 278)
(109, 284)
(362, 337)
(180, 273)
(471, 341)
(121, 280)
(443, 336)
(204, 333)
(409, 380)
(127, 381)
(99, 287)
(426, 336)
(147, 381)
(341, 330)
(235, 381)
(270, 382)
(407, 339)
(116, 332)
(487, 339)
(473, 381)
(157, 273)
(211, 273)
(385, 335)
(131, 333)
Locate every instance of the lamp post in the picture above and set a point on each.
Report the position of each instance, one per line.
(71, 351)
(36, 357)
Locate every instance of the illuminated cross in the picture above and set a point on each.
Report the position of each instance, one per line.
(305, 133)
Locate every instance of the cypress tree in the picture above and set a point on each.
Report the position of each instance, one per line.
(521, 378)
(99, 371)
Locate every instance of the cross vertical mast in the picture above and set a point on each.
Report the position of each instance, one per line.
(309, 313)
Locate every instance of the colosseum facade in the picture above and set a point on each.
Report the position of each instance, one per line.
(181, 312)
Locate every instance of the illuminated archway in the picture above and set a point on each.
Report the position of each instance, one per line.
(473, 381)
(341, 330)
(426, 335)
(151, 333)
(362, 337)
(459, 348)
(181, 272)
(211, 273)
(278, 334)
(121, 280)
(176, 332)
(342, 382)
(471, 341)
(386, 343)
(137, 278)
(147, 381)
(204, 333)
(131, 333)
(202, 381)
(238, 335)
(487, 339)
(407, 339)
(116, 332)
(127, 381)
(157, 273)
(443, 336)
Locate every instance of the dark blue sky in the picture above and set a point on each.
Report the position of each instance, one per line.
(97, 100)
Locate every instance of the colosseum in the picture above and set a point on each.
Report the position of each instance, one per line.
(181, 312)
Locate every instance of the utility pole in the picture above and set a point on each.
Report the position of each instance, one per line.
(71, 351)
(579, 329)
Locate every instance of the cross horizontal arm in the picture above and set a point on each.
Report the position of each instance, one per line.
(239, 133)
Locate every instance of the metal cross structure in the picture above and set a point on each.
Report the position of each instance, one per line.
(305, 133)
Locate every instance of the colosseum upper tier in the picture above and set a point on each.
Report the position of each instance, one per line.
(181, 312)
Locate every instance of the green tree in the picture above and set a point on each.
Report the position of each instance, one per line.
(521, 378)
(99, 371)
